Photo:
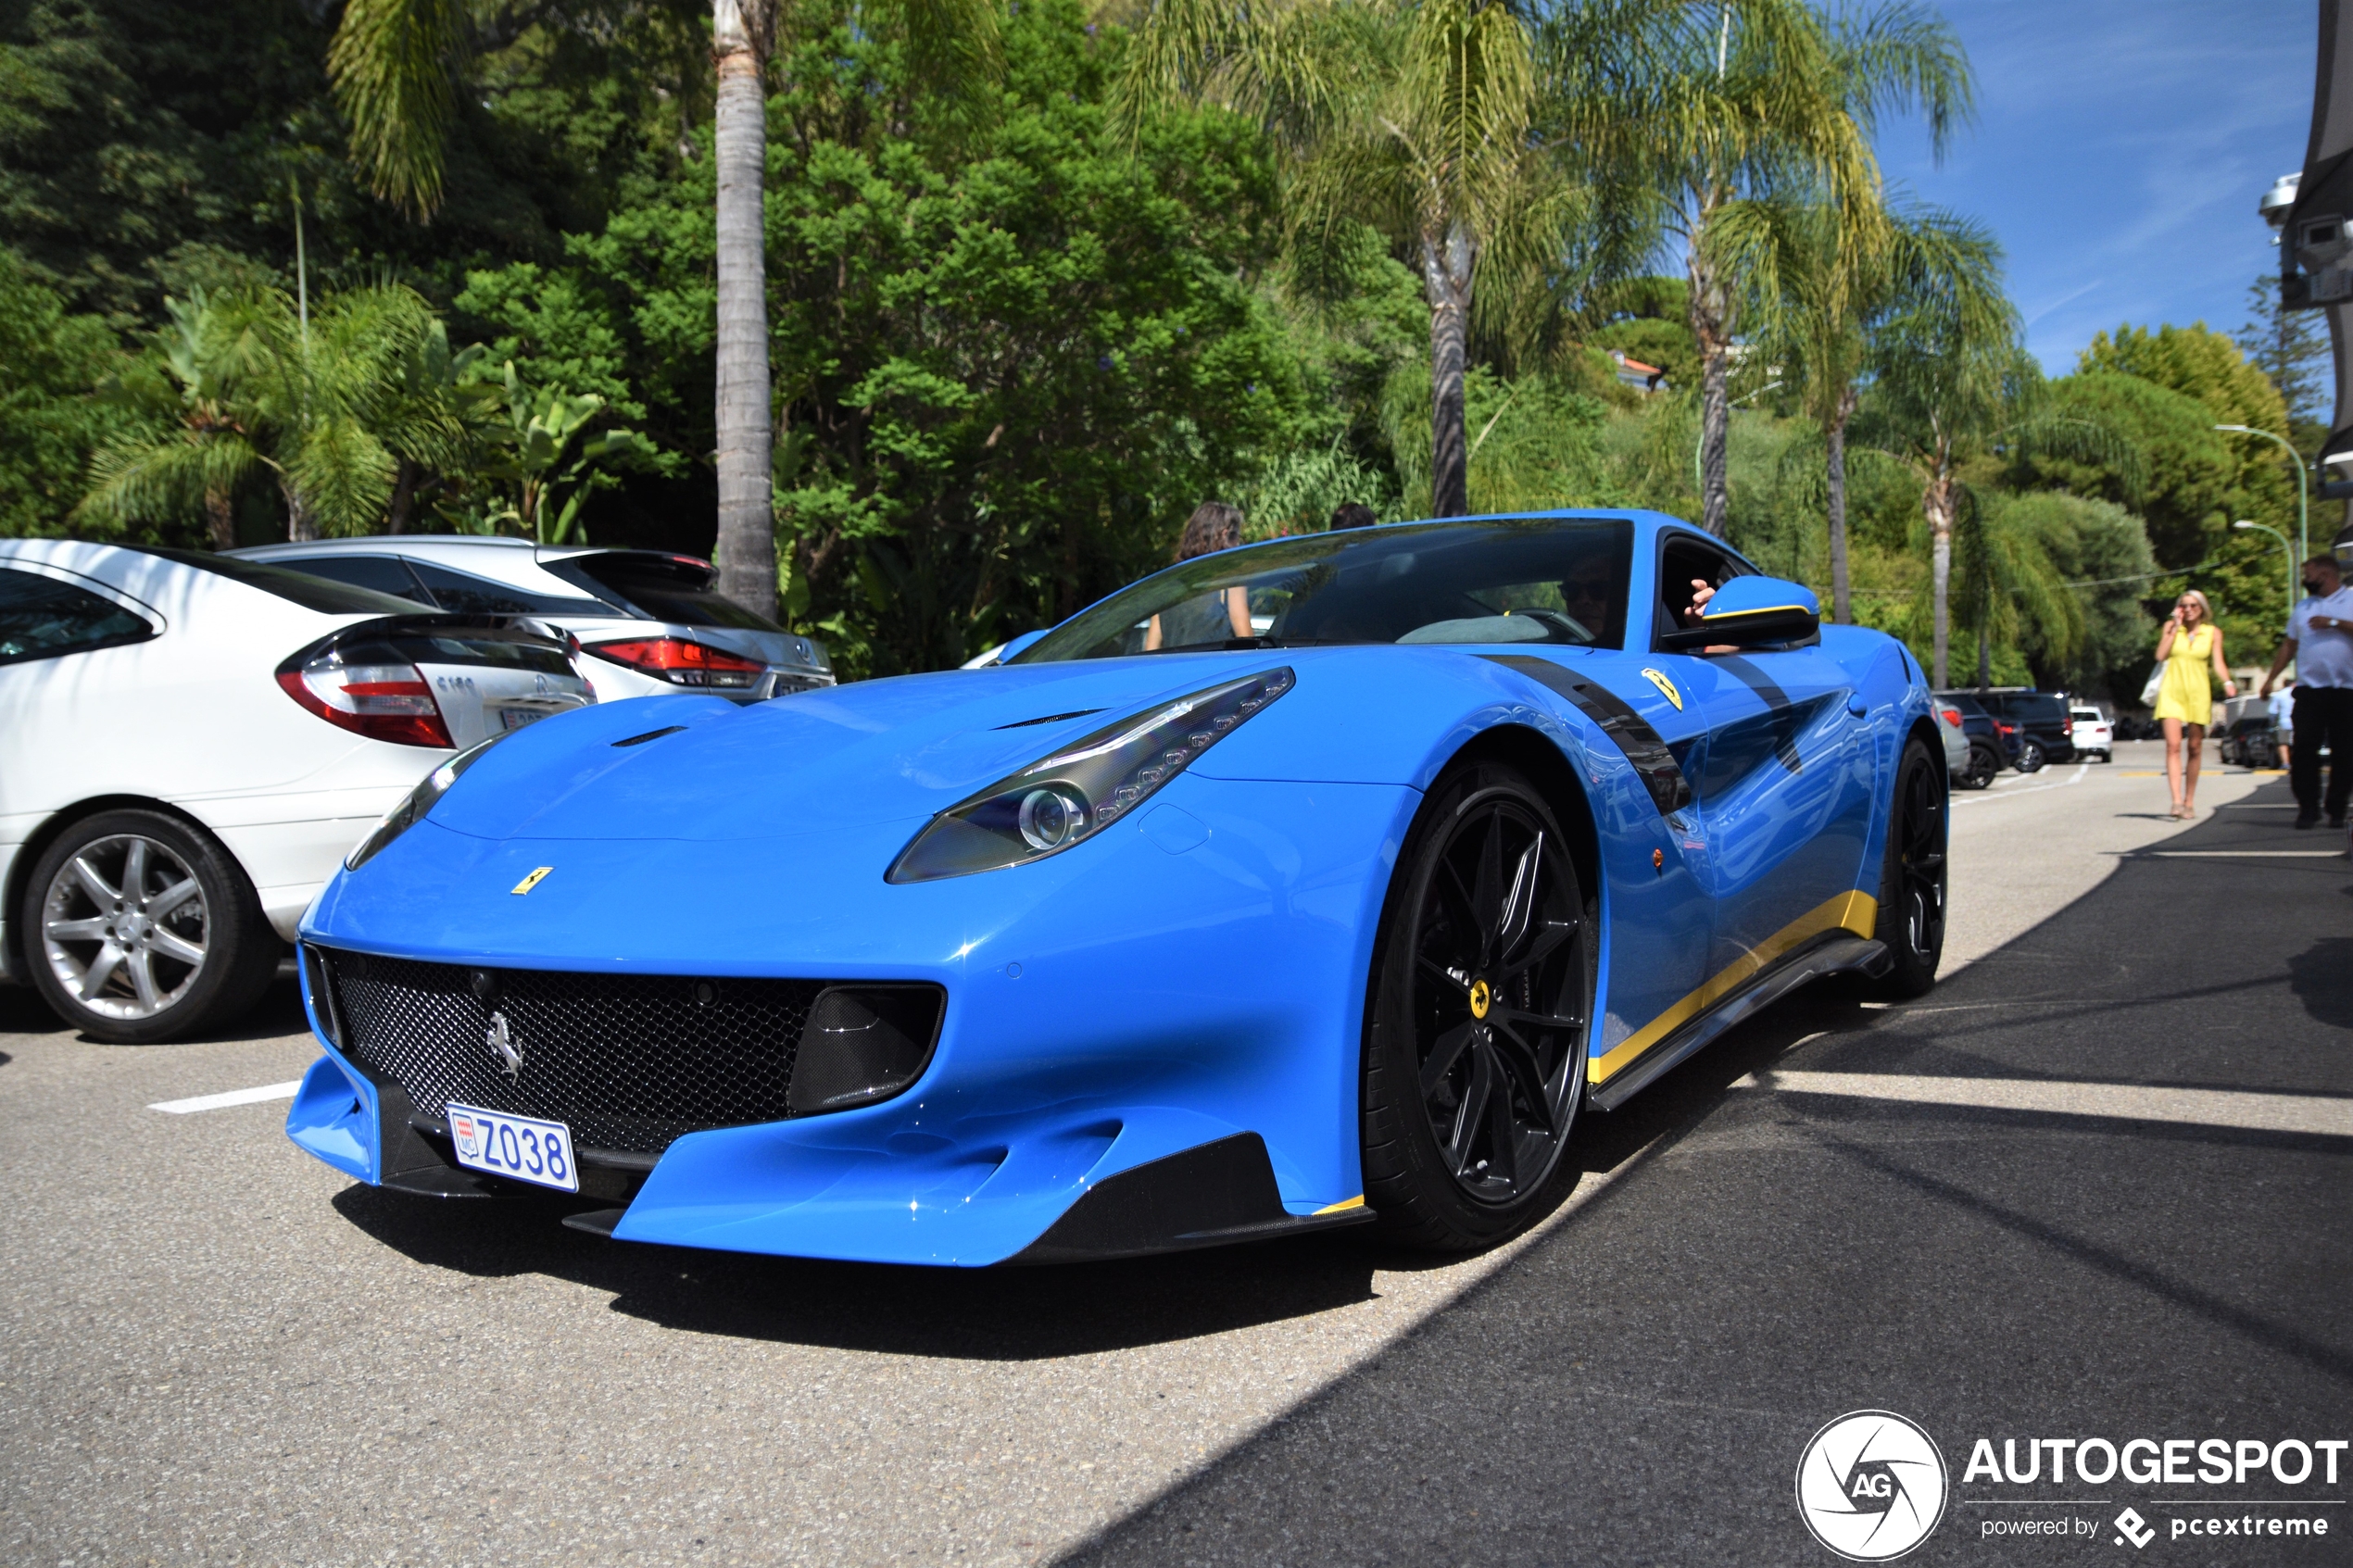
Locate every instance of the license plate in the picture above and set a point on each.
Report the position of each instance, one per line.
(516, 718)
(515, 1146)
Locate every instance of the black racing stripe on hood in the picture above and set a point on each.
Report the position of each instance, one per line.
(1643, 747)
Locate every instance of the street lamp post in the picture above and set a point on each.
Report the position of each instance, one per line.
(2293, 561)
(2303, 504)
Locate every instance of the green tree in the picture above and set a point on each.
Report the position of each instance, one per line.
(2291, 347)
(1001, 384)
(1412, 116)
(1819, 302)
(1739, 114)
(394, 64)
(1948, 388)
(51, 413)
(2181, 473)
(247, 387)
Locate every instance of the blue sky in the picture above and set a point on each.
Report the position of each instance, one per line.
(2119, 148)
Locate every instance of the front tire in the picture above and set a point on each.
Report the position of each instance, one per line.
(139, 929)
(1478, 1016)
(1912, 877)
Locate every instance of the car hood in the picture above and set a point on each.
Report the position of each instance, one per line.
(905, 748)
(873, 751)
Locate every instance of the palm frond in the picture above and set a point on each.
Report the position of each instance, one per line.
(393, 65)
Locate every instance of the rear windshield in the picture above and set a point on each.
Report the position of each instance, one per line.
(2041, 707)
(660, 588)
(300, 588)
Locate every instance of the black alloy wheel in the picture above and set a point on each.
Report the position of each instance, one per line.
(1912, 878)
(1979, 771)
(1476, 1036)
(2031, 756)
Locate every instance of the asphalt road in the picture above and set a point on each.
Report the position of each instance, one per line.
(2094, 1186)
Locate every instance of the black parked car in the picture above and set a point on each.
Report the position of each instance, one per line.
(2046, 730)
(1990, 748)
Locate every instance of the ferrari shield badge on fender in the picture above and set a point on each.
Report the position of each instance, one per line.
(538, 873)
(1665, 689)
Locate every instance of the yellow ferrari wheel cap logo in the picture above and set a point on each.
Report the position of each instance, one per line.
(1482, 999)
(1665, 687)
(538, 874)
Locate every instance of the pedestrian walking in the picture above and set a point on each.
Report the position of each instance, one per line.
(2319, 639)
(2282, 706)
(2189, 647)
(1208, 619)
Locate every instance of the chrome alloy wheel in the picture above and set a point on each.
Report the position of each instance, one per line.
(124, 926)
(1499, 998)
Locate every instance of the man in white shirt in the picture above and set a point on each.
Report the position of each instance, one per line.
(2319, 639)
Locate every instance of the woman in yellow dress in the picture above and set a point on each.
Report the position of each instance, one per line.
(2190, 646)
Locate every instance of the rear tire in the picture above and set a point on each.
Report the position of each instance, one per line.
(1912, 878)
(139, 928)
(1980, 770)
(2031, 757)
(1477, 1015)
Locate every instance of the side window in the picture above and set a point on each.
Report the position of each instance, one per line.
(1684, 561)
(385, 574)
(42, 618)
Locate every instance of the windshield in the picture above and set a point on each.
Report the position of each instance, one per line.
(1491, 580)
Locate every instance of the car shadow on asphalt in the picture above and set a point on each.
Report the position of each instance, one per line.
(1002, 1314)
(977, 1314)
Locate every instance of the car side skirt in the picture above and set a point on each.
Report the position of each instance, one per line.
(1833, 938)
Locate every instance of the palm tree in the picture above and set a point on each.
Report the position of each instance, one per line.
(2001, 568)
(394, 64)
(1415, 117)
(1738, 113)
(321, 405)
(1821, 302)
(1950, 385)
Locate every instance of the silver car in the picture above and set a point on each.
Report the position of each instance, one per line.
(650, 621)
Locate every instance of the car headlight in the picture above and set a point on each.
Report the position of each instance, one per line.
(417, 802)
(1084, 787)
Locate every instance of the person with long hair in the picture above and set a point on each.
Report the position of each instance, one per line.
(1209, 620)
(2189, 647)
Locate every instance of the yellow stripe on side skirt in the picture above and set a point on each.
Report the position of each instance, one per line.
(1858, 912)
(1355, 1202)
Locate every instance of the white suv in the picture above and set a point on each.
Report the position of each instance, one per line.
(650, 620)
(2091, 733)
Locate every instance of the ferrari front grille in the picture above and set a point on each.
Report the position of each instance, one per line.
(628, 1061)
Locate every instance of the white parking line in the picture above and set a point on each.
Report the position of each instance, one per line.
(2133, 1102)
(2230, 854)
(1998, 794)
(235, 1096)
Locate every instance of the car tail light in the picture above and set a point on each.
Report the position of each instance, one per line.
(2007, 728)
(1953, 717)
(381, 701)
(683, 663)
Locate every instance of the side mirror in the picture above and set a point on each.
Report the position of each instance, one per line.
(1748, 611)
(1005, 654)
